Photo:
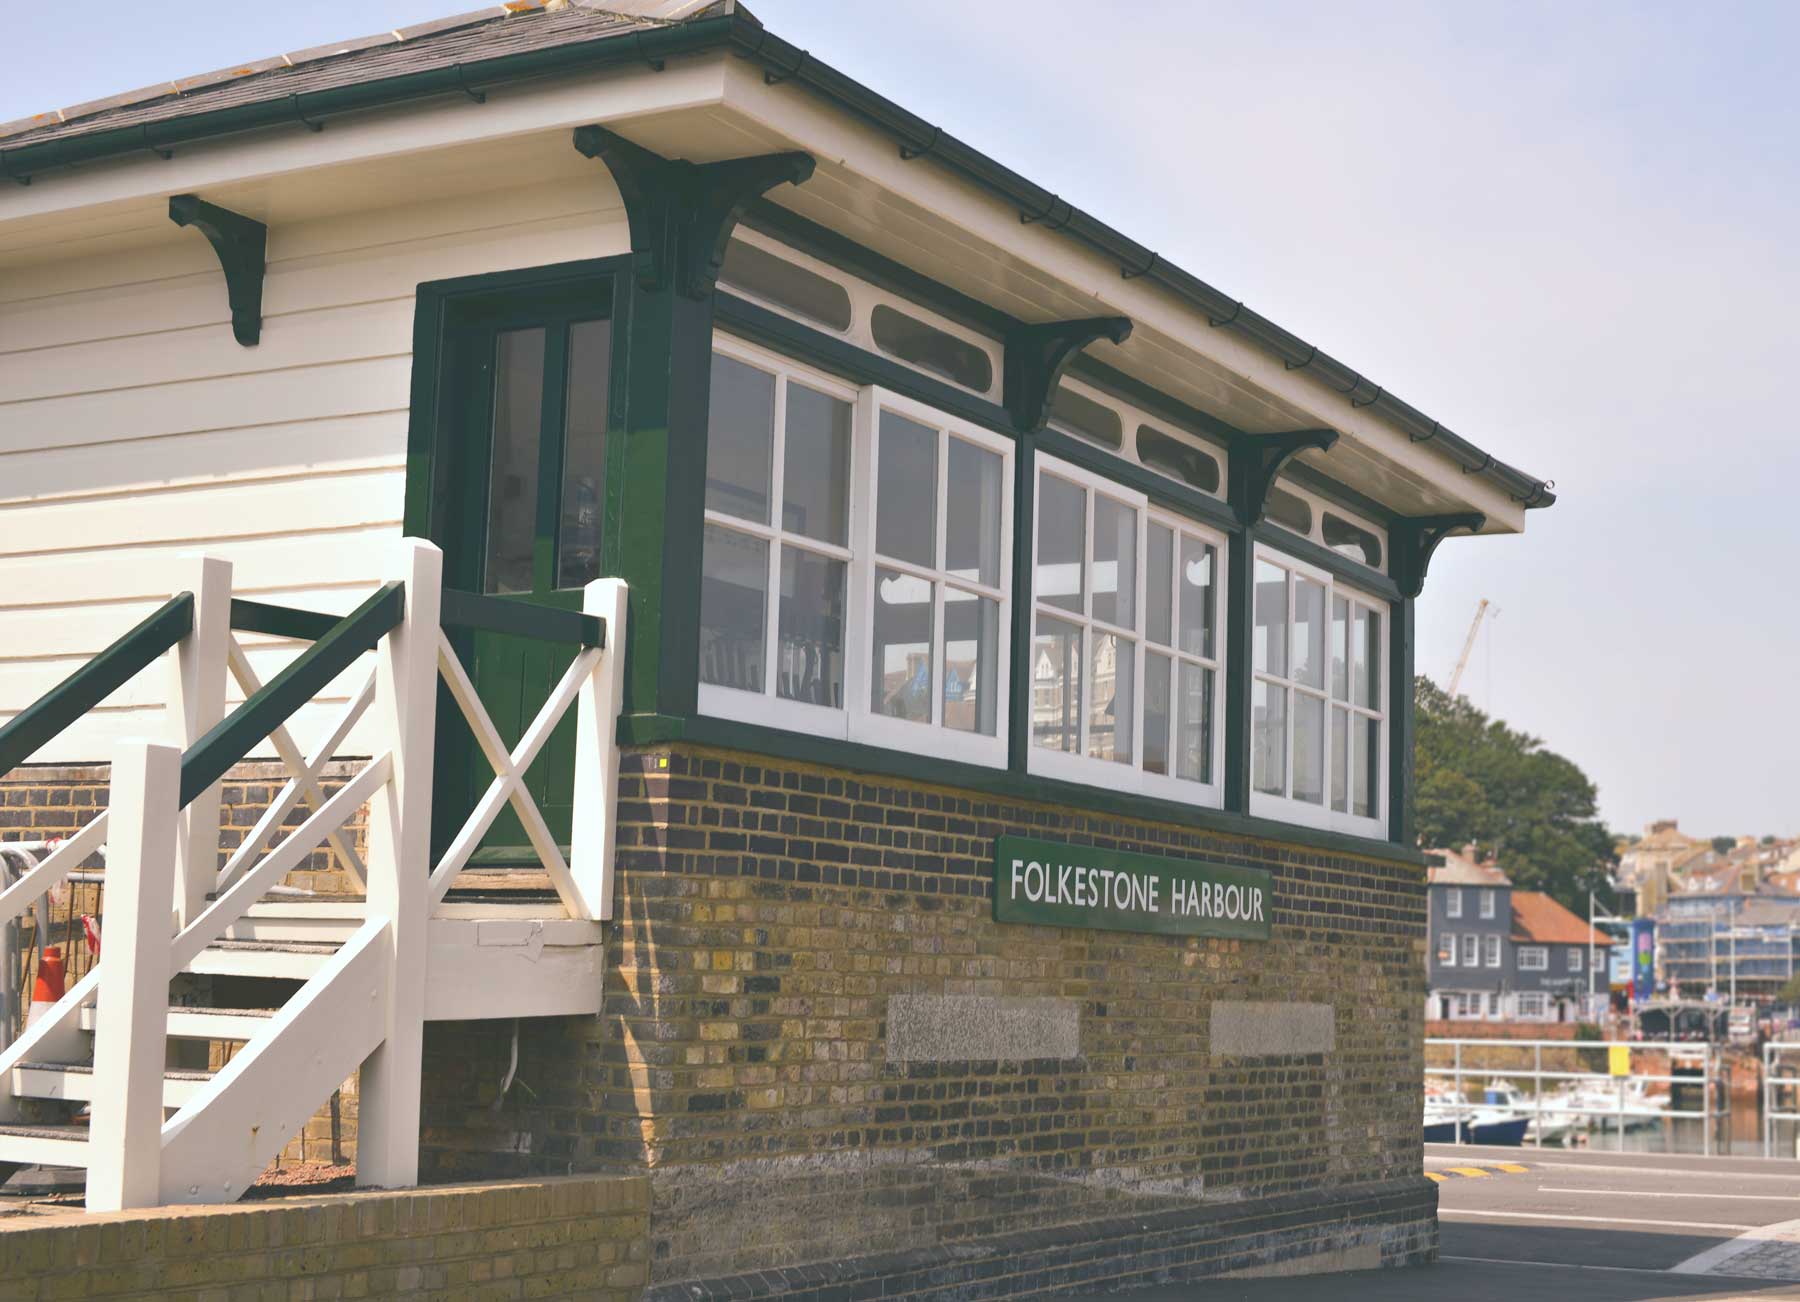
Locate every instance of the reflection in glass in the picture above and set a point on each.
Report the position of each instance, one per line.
(734, 589)
(584, 453)
(809, 663)
(513, 475)
(1268, 739)
(1199, 566)
(1288, 511)
(1193, 757)
(1340, 760)
(1159, 561)
(900, 657)
(906, 491)
(971, 656)
(1340, 649)
(815, 484)
(913, 340)
(1061, 542)
(1351, 540)
(1171, 456)
(1056, 685)
(779, 281)
(1309, 748)
(740, 439)
(1158, 716)
(1366, 764)
(1268, 642)
(1115, 563)
(1111, 707)
(1080, 414)
(1368, 658)
(972, 529)
(1309, 632)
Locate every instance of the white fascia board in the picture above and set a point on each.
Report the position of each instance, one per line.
(524, 108)
(811, 124)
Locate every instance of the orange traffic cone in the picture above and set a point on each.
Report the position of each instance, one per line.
(49, 987)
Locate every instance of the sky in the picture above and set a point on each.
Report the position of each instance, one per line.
(1564, 230)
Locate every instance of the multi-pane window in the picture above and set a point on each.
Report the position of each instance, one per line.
(1470, 956)
(1447, 950)
(1533, 1005)
(1125, 651)
(1319, 664)
(1575, 958)
(1453, 903)
(1490, 948)
(1487, 903)
(855, 563)
(1533, 958)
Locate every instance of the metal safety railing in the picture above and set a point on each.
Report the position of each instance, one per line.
(1585, 1097)
(1778, 1054)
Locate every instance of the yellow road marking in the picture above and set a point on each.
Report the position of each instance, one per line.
(1513, 1167)
(1473, 1172)
(1436, 1177)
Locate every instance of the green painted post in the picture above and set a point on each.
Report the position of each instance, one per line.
(1400, 722)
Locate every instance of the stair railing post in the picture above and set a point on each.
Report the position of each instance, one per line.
(387, 1145)
(198, 668)
(594, 832)
(131, 1017)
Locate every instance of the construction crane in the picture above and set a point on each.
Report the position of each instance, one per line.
(1462, 662)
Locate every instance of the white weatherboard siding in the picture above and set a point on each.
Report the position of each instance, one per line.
(134, 429)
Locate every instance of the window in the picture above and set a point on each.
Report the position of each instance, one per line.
(1080, 414)
(1447, 950)
(1351, 540)
(931, 349)
(1318, 744)
(1470, 956)
(784, 284)
(1313, 517)
(1180, 460)
(1288, 511)
(1126, 640)
(1534, 958)
(1487, 903)
(1491, 950)
(1533, 1005)
(1575, 958)
(1453, 903)
(855, 562)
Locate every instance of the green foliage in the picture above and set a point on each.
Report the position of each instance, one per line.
(1789, 993)
(1477, 780)
(1723, 844)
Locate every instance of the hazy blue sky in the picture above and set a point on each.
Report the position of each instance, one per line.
(1565, 230)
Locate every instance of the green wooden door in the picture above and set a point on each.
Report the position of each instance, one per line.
(520, 481)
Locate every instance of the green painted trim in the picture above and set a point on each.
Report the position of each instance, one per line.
(241, 244)
(1037, 355)
(725, 734)
(40, 722)
(1018, 718)
(1240, 618)
(280, 621)
(1372, 581)
(208, 759)
(473, 610)
(1402, 642)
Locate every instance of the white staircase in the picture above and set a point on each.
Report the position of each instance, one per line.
(102, 1081)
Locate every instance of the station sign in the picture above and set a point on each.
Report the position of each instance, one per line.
(1053, 885)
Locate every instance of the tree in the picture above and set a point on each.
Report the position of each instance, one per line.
(1723, 844)
(1477, 780)
(1790, 992)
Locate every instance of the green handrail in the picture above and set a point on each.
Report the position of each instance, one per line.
(91, 684)
(208, 759)
(280, 621)
(520, 619)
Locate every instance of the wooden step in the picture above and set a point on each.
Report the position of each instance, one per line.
(75, 1082)
(284, 960)
(205, 1023)
(40, 1145)
(328, 919)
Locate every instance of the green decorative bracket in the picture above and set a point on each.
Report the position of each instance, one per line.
(1036, 356)
(241, 243)
(1412, 541)
(1258, 460)
(681, 213)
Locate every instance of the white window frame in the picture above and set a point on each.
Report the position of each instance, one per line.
(1316, 534)
(1114, 774)
(1471, 949)
(1532, 1006)
(858, 721)
(1489, 902)
(1534, 958)
(1575, 959)
(1490, 947)
(1453, 903)
(1447, 950)
(1285, 808)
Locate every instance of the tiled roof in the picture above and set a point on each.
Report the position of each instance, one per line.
(1539, 920)
(514, 27)
(1463, 870)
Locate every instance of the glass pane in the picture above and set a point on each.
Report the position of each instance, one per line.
(1158, 716)
(734, 602)
(815, 484)
(972, 541)
(1080, 414)
(1288, 511)
(1061, 542)
(796, 288)
(1115, 562)
(1159, 581)
(1367, 651)
(1309, 632)
(740, 438)
(1351, 540)
(1056, 685)
(809, 659)
(1268, 643)
(1340, 761)
(1268, 738)
(1340, 649)
(901, 654)
(912, 340)
(972, 678)
(1171, 456)
(1193, 757)
(1110, 699)
(584, 453)
(1366, 764)
(906, 491)
(1309, 748)
(1199, 566)
(513, 477)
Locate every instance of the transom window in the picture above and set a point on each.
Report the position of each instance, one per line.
(1317, 736)
(1125, 640)
(856, 562)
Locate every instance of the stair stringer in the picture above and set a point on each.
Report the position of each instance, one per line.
(226, 1136)
(56, 1037)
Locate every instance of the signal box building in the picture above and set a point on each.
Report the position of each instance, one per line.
(1011, 878)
